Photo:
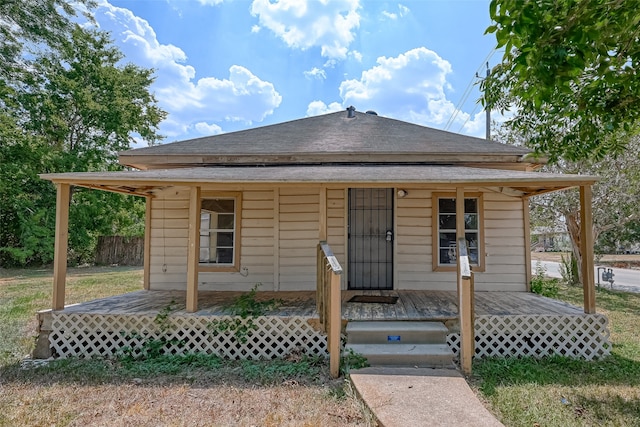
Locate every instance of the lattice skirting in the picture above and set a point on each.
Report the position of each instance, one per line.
(89, 335)
(584, 336)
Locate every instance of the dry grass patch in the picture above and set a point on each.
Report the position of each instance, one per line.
(193, 390)
(175, 405)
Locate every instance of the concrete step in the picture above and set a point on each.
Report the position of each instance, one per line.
(420, 355)
(396, 332)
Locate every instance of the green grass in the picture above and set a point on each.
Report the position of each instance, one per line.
(557, 391)
(26, 291)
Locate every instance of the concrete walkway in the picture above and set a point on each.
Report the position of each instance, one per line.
(420, 397)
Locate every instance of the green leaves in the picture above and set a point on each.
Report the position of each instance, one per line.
(68, 105)
(571, 65)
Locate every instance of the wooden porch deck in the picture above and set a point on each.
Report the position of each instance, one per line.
(411, 305)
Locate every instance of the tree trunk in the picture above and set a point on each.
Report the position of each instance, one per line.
(573, 227)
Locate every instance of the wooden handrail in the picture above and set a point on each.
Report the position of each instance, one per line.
(329, 303)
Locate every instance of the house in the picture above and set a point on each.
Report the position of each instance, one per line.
(390, 199)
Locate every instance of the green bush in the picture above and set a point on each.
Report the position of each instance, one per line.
(543, 285)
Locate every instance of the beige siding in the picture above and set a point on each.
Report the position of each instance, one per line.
(256, 247)
(169, 234)
(336, 223)
(279, 234)
(413, 240)
(504, 245)
(298, 225)
(169, 238)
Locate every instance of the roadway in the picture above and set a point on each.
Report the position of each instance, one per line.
(623, 280)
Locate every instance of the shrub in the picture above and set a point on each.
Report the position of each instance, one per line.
(543, 285)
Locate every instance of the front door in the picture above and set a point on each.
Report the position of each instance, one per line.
(370, 238)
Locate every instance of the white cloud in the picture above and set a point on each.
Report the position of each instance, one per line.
(402, 11)
(240, 96)
(356, 55)
(410, 87)
(255, 29)
(390, 15)
(315, 108)
(302, 24)
(315, 73)
(208, 129)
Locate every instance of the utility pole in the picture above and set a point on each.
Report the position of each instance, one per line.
(487, 112)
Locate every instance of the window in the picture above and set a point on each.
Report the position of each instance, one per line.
(218, 232)
(445, 231)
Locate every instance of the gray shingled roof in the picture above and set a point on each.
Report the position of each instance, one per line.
(330, 135)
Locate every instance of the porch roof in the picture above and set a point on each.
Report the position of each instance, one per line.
(513, 182)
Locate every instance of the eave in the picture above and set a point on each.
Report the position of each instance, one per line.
(145, 183)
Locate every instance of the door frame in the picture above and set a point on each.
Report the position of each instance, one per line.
(393, 254)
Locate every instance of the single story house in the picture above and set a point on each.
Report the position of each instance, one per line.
(390, 198)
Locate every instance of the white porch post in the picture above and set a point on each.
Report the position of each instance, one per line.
(63, 197)
(193, 254)
(586, 243)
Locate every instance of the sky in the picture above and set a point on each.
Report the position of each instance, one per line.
(228, 65)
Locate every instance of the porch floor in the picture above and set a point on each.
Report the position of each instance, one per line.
(411, 304)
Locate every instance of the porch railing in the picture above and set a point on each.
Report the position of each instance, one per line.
(329, 303)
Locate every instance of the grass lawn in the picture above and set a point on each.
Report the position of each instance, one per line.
(562, 392)
(170, 391)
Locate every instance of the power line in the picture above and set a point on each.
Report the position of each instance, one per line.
(467, 91)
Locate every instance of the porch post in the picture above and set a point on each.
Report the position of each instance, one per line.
(527, 241)
(147, 244)
(63, 197)
(586, 243)
(465, 289)
(193, 255)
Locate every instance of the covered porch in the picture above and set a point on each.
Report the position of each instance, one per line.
(506, 323)
(410, 305)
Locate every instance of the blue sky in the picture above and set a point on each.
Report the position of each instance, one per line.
(226, 65)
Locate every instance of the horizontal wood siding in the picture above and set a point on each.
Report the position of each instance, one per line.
(504, 244)
(336, 223)
(256, 248)
(413, 240)
(297, 215)
(169, 239)
(299, 218)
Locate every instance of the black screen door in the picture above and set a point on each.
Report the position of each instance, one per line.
(371, 238)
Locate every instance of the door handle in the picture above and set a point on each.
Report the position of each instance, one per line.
(389, 235)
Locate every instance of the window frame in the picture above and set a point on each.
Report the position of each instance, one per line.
(435, 230)
(237, 198)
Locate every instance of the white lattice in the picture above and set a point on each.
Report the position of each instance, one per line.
(584, 336)
(88, 335)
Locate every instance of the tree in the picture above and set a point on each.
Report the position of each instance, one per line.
(570, 68)
(69, 105)
(615, 197)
